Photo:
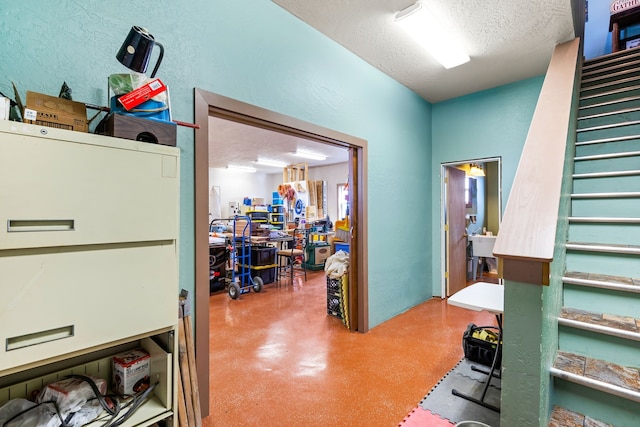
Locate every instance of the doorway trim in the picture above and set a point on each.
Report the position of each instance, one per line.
(209, 104)
(443, 206)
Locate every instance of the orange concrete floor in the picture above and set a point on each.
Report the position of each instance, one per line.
(278, 359)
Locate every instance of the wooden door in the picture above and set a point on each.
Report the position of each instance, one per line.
(455, 231)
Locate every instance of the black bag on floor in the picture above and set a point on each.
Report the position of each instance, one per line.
(480, 344)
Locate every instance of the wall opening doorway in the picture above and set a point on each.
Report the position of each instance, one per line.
(208, 104)
(471, 203)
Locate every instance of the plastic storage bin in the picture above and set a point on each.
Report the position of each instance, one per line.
(266, 272)
(342, 247)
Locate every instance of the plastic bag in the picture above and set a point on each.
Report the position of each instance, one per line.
(33, 414)
(74, 395)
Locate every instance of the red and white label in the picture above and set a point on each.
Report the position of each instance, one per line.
(142, 94)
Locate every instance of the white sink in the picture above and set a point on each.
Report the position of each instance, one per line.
(482, 246)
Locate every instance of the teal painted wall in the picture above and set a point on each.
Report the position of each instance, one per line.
(491, 123)
(258, 53)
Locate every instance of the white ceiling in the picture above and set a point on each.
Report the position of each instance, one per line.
(507, 41)
(239, 144)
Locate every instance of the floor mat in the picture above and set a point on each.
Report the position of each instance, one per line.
(420, 417)
(443, 403)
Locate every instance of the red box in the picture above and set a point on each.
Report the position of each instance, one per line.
(142, 94)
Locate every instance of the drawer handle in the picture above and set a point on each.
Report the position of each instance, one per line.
(36, 338)
(21, 225)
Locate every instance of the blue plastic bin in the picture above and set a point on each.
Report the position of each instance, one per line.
(342, 247)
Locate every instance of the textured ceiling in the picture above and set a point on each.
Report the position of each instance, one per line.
(239, 144)
(507, 40)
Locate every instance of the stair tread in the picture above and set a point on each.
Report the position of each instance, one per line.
(604, 247)
(622, 323)
(609, 113)
(612, 195)
(616, 155)
(602, 371)
(609, 126)
(610, 57)
(562, 417)
(631, 79)
(602, 281)
(612, 139)
(602, 278)
(603, 220)
(616, 70)
(610, 102)
(611, 92)
(610, 174)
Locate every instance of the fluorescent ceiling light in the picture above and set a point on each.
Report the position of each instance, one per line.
(241, 168)
(308, 155)
(274, 163)
(420, 24)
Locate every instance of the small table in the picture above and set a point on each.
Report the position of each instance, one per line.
(489, 297)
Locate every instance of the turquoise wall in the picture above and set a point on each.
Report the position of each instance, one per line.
(491, 123)
(258, 53)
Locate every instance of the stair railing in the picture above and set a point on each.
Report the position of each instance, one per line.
(530, 244)
(525, 244)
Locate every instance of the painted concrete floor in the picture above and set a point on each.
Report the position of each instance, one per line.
(278, 359)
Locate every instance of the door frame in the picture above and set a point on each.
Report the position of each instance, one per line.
(209, 104)
(443, 206)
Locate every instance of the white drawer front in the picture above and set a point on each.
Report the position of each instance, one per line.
(57, 302)
(58, 193)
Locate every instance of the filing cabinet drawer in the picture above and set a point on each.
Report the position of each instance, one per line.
(55, 302)
(85, 190)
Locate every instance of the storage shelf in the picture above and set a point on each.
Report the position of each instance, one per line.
(147, 414)
(157, 407)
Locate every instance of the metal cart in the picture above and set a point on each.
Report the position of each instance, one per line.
(238, 276)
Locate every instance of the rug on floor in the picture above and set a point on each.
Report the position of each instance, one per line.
(440, 401)
(420, 417)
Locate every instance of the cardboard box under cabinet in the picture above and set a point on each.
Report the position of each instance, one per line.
(55, 112)
(140, 129)
(131, 371)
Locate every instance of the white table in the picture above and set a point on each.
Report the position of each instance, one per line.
(482, 296)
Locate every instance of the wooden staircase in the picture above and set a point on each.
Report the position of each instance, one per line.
(596, 374)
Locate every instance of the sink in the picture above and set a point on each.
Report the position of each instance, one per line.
(482, 246)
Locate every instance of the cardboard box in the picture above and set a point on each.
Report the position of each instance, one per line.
(55, 112)
(131, 371)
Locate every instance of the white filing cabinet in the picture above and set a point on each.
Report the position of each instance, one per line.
(88, 259)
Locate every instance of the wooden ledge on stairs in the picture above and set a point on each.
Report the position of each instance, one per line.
(526, 241)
